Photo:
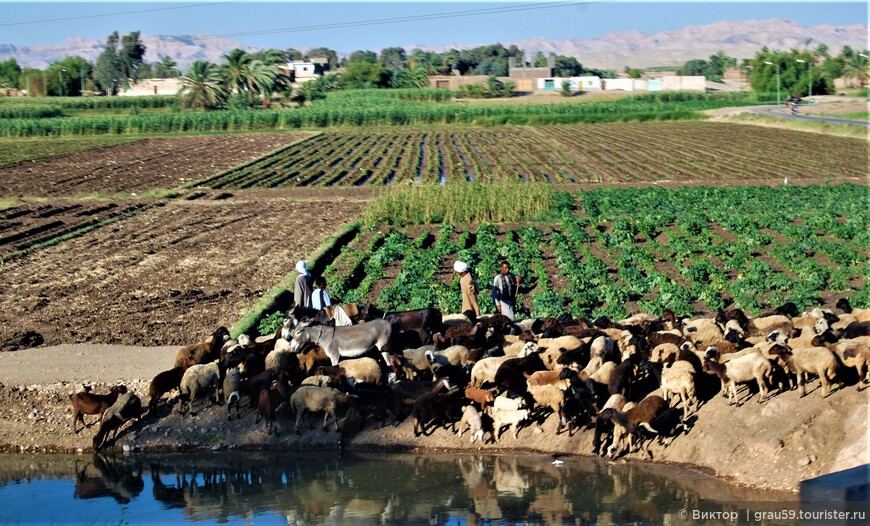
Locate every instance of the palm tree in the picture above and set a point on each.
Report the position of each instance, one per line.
(857, 68)
(260, 78)
(235, 70)
(201, 87)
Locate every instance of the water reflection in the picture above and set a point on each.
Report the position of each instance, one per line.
(361, 488)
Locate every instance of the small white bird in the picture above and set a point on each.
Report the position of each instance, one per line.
(785, 180)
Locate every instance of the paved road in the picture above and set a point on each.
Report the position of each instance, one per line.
(785, 113)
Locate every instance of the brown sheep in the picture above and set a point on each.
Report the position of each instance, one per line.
(88, 403)
(204, 351)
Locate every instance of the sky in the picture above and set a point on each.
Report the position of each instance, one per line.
(356, 25)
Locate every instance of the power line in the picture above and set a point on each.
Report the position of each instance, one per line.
(412, 18)
(118, 13)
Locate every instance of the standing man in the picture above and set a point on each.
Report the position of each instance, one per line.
(504, 290)
(468, 288)
(303, 286)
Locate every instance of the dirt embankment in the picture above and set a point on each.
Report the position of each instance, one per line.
(773, 445)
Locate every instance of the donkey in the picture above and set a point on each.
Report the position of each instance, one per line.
(345, 342)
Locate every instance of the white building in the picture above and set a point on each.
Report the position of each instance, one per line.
(151, 87)
(300, 72)
(577, 83)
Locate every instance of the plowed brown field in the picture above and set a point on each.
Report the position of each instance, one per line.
(170, 274)
(133, 168)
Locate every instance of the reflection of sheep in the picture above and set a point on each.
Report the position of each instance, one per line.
(196, 378)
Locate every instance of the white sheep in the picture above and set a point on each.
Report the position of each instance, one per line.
(196, 378)
(453, 355)
(278, 360)
(767, 324)
(232, 386)
(416, 359)
(502, 402)
(472, 420)
(702, 331)
(362, 370)
(855, 353)
(484, 370)
(552, 397)
(679, 379)
(505, 417)
(752, 366)
(567, 342)
(320, 380)
(813, 360)
(312, 399)
(602, 346)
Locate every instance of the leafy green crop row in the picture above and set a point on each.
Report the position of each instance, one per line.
(692, 250)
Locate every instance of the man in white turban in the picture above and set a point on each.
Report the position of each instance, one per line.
(303, 286)
(468, 288)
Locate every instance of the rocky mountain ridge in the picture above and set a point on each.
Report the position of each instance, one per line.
(741, 39)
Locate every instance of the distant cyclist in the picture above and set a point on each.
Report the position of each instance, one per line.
(793, 103)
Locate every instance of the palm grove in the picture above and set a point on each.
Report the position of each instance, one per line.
(252, 79)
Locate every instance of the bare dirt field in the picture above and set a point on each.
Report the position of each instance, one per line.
(136, 167)
(773, 445)
(170, 274)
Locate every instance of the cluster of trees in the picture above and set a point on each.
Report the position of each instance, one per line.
(243, 79)
(799, 70)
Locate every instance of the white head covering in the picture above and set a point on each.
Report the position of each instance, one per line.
(301, 267)
(460, 266)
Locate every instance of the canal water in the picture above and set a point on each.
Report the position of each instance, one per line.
(304, 487)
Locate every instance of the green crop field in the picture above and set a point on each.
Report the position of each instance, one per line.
(693, 250)
(608, 153)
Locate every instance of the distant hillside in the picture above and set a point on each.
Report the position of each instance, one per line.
(184, 49)
(610, 51)
(675, 47)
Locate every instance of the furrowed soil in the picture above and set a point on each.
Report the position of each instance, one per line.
(133, 168)
(170, 274)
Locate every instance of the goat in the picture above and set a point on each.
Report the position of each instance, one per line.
(88, 403)
(267, 405)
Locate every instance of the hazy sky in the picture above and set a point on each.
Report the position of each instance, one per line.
(352, 25)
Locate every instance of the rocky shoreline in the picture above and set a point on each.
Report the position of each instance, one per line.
(773, 445)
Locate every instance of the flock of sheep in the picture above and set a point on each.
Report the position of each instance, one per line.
(632, 381)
